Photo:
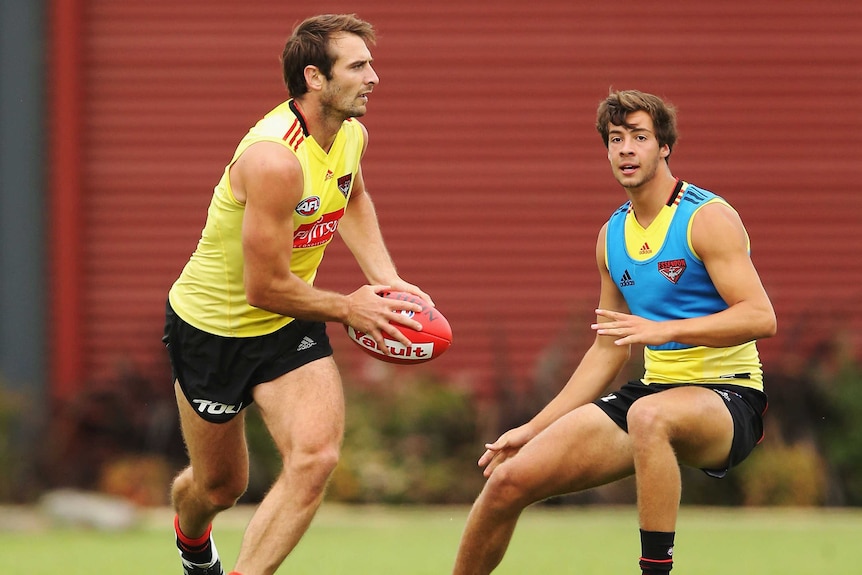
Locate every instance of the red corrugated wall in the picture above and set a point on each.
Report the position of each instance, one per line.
(490, 180)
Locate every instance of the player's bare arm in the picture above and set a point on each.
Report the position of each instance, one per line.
(602, 361)
(597, 370)
(720, 240)
(360, 230)
(269, 180)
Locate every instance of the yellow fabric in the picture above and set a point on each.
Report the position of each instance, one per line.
(210, 293)
(643, 243)
(704, 365)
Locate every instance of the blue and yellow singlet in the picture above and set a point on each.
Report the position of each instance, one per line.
(662, 278)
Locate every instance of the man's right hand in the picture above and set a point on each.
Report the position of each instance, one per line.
(372, 314)
(507, 446)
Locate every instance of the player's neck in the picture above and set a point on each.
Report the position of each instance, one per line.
(649, 198)
(323, 128)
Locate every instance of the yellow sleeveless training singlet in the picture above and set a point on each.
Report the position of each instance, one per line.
(210, 293)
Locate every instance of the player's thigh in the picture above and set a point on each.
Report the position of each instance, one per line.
(217, 451)
(700, 425)
(304, 408)
(582, 449)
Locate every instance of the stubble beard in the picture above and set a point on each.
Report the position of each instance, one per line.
(334, 106)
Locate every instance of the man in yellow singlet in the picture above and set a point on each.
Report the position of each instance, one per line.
(244, 321)
(676, 277)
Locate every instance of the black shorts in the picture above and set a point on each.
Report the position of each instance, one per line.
(746, 407)
(218, 373)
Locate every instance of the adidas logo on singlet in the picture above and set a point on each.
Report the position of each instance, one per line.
(645, 249)
(306, 343)
(626, 280)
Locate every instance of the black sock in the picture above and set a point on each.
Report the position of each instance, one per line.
(198, 550)
(656, 552)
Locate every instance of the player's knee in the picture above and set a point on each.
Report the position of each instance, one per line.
(505, 488)
(225, 493)
(646, 420)
(325, 461)
(315, 465)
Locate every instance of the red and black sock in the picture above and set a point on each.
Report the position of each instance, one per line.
(198, 550)
(656, 552)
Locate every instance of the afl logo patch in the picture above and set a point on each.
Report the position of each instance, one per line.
(308, 206)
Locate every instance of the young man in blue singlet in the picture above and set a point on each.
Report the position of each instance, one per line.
(676, 277)
(244, 321)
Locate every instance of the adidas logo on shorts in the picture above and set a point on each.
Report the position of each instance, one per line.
(306, 343)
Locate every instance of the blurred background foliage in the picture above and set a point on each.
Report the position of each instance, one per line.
(414, 438)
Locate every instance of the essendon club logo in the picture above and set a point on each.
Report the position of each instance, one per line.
(344, 184)
(317, 233)
(672, 269)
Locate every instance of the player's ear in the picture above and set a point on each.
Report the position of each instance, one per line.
(664, 152)
(313, 77)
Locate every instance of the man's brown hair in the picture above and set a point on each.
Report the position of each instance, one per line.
(309, 46)
(621, 103)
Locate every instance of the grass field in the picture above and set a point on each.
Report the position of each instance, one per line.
(420, 541)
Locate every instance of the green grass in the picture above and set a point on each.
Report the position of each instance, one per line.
(418, 541)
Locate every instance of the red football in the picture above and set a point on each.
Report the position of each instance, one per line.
(431, 342)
